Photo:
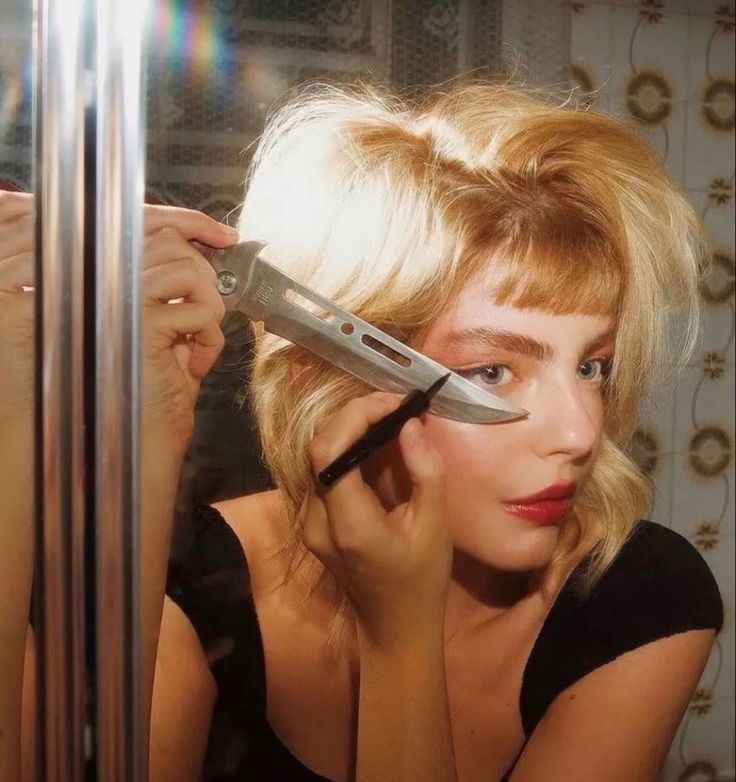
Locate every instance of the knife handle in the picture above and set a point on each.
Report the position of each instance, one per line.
(414, 404)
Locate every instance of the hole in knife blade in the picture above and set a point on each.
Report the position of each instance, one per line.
(347, 328)
(307, 305)
(385, 350)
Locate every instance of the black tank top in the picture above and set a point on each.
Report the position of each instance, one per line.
(658, 585)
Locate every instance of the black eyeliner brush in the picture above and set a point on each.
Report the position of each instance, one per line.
(413, 404)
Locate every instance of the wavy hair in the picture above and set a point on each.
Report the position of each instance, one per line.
(391, 206)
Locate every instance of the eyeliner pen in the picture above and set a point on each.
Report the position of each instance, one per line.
(414, 404)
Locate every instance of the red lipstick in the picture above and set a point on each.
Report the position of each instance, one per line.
(547, 506)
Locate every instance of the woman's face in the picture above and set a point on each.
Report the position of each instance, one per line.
(550, 365)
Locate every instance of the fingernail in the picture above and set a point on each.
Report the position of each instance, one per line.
(229, 230)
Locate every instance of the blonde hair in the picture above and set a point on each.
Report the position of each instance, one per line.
(391, 207)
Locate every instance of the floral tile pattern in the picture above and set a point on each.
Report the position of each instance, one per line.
(666, 67)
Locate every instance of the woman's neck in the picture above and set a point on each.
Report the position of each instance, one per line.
(478, 593)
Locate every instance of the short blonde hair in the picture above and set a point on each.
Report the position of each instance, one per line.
(391, 207)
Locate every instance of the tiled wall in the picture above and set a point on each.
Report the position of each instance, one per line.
(667, 68)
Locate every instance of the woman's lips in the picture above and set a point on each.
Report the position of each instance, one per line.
(542, 512)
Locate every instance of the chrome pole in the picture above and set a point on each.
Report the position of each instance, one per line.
(59, 488)
(121, 746)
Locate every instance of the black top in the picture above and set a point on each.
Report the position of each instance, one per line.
(658, 585)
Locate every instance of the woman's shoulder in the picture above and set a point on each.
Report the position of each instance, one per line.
(658, 584)
(257, 520)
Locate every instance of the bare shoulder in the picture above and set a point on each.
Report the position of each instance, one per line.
(251, 516)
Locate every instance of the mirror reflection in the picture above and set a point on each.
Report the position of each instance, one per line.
(17, 651)
(409, 620)
(470, 601)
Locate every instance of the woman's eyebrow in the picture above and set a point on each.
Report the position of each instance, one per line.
(487, 336)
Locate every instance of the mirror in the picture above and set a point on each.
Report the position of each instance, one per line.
(17, 294)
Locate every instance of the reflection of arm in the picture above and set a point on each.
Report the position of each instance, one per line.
(404, 729)
(184, 694)
(159, 482)
(16, 570)
(28, 725)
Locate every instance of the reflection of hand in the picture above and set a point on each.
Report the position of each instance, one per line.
(394, 566)
(16, 308)
(181, 341)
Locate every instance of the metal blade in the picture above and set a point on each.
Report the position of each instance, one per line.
(258, 289)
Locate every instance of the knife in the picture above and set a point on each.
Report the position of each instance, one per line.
(251, 285)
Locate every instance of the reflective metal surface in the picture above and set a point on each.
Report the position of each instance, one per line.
(122, 744)
(59, 431)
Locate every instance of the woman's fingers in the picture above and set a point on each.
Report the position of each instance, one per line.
(16, 272)
(426, 471)
(164, 249)
(16, 235)
(190, 224)
(344, 498)
(171, 322)
(14, 204)
(316, 535)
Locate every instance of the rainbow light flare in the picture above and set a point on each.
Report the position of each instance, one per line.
(188, 37)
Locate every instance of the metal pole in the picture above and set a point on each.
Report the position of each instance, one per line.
(122, 749)
(59, 485)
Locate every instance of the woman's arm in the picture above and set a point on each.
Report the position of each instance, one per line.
(16, 567)
(395, 569)
(184, 694)
(404, 729)
(159, 482)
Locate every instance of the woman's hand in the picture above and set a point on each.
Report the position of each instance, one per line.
(394, 565)
(16, 309)
(181, 341)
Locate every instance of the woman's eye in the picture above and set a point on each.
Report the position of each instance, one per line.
(491, 374)
(591, 374)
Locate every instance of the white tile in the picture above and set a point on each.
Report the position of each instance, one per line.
(710, 54)
(717, 326)
(702, 400)
(590, 46)
(667, 138)
(695, 506)
(661, 477)
(692, 743)
(717, 215)
(657, 415)
(718, 676)
(707, 8)
(639, 46)
(707, 737)
(708, 152)
(719, 220)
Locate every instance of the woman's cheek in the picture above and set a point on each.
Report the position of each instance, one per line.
(463, 443)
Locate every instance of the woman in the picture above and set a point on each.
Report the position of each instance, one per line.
(414, 620)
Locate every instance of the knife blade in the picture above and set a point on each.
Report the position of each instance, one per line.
(248, 283)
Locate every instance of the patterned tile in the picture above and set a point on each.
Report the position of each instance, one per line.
(645, 39)
(590, 50)
(718, 676)
(709, 151)
(666, 136)
(703, 400)
(662, 478)
(698, 511)
(705, 739)
(657, 417)
(710, 54)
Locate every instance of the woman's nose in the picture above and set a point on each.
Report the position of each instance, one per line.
(567, 421)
